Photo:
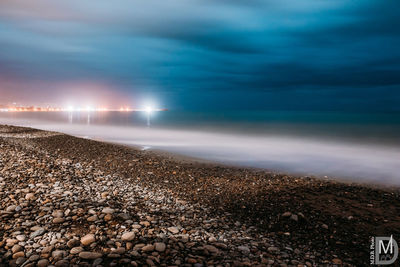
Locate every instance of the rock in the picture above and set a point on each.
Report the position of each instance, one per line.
(88, 239)
(108, 217)
(108, 210)
(211, 249)
(20, 237)
(337, 261)
(325, 226)
(273, 250)
(123, 216)
(128, 236)
(58, 254)
(38, 232)
(34, 258)
(294, 217)
(20, 260)
(47, 249)
(120, 250)
(57, 214)
(173, 230)
(244, 249)
(73, 243)
(89, 255)
(30, 196)
(286, 214)
(43, 263)
(159, 246)
(92, 218)
(62, 263)
(148, 248)
(76, 250)
(11, 208)
(18, 255)
(97, 261)
(212, 239)
(58, 220)
(16, 248)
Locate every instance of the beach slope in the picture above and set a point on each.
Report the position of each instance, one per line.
(72, 201)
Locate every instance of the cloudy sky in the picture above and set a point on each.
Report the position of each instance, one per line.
(208, 54)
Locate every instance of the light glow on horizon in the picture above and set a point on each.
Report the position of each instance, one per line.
(147, 109)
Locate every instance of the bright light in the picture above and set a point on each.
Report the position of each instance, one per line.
(70, 108)
(148, 109)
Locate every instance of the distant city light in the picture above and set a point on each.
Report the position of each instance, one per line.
(148, 109)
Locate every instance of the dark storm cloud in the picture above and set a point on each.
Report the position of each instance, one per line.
(233, 51)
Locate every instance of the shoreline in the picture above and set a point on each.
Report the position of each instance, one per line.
(223, 214)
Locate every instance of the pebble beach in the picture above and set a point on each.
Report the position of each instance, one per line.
(69, 201)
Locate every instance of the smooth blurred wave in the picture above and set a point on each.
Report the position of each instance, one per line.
(358, 147)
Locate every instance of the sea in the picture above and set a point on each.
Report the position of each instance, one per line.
(359, 147)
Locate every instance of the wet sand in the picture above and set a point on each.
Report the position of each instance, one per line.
(73, 201)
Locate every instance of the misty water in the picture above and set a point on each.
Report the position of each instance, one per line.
(351, 146)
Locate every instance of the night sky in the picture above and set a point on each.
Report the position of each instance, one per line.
(203, 55)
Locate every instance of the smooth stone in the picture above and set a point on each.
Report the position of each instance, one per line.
(128, 236)
(43, 263)
(148, 248)
(173, 230)
(211, 248)
(34, 258)
(159, 246)
(73, 243)
(16, 248)
(11, 208)
(58, 254)
(18, 255)
(244, 249)
(21, 237)
(20, 260)
(88, 239)
(62, 263)
(30, 196)
(92, 218)
(58, 220)
(38, 232)
(274, 250)
(57, 214)
(89, 255)
(76, 250)
(108, 210)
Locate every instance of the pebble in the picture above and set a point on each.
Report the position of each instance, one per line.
(64, 207)
(108, 210)
(159, 246)
(90, 255)
(128, 236)
(148, 248)
(20, 237)
(76, 250)
(244, 249)
(38, 232)
(173, 230)
(43, 263)
(88, 239)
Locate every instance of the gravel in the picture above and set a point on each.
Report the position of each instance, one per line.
(68, 201)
